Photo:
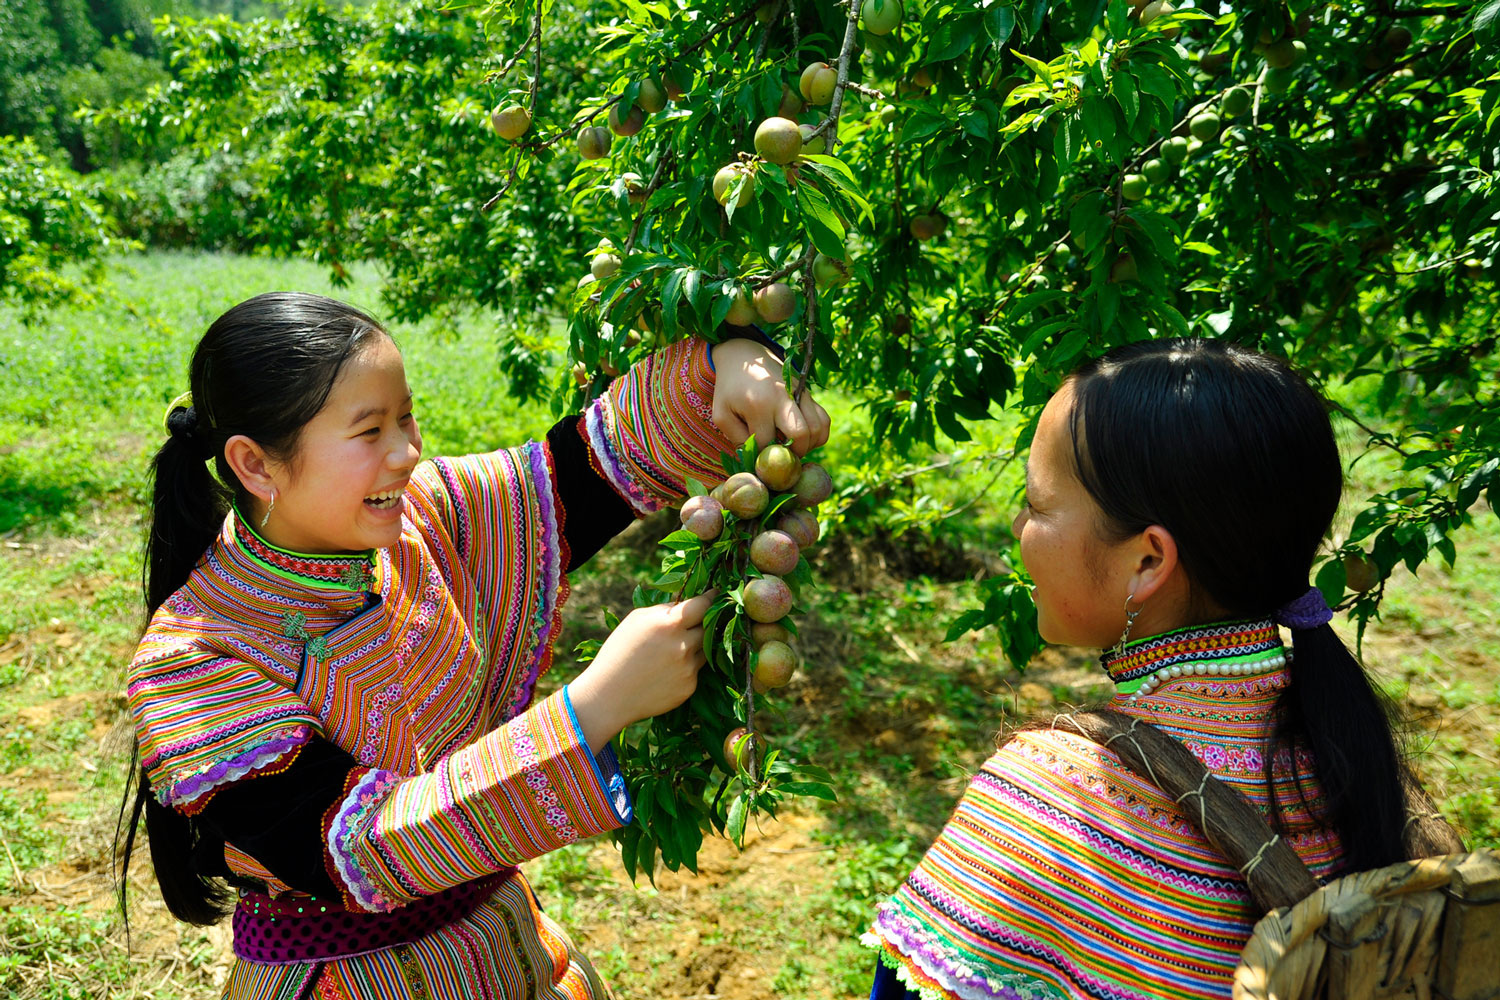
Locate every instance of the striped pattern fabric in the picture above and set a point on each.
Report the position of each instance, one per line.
(421, 661)
(653, 428)
(1063, 874)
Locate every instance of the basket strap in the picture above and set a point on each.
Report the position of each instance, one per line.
(1235, 828)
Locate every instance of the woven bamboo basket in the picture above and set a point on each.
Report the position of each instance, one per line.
(1417, 930)
(1426, 930)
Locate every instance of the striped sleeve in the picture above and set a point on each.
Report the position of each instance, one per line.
(653, 428)
(529, 787)
(203, 720)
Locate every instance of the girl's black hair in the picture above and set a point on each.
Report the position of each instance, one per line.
(1233, 453)
(263, 369)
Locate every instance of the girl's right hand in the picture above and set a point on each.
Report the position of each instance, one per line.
(648, 665)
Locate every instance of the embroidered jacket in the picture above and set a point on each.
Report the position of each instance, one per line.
(1063, 874)
(362, 728)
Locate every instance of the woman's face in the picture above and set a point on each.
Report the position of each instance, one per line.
(1080, 590)
(342, 492)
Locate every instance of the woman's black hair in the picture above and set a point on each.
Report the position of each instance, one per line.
(263, 369)
(1233, 453)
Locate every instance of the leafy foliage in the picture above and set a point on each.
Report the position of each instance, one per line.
(46, 222)
(670, 761)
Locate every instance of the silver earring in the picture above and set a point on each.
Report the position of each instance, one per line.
(1130, 617)
(272, 506)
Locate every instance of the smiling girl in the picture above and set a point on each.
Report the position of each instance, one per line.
(1177, 492)
(334, 698)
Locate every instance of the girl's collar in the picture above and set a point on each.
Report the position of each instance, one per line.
(1220, 648)
(354, 572)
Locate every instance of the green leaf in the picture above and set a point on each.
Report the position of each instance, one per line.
(734, 826)
(1037, 66)
(1035, 12)
(682, 536)
(811, 789)
(1201, 247)
(1069, 139)
(1331, 581)
(1487, 20)
(953, 37)
(1123, 87)
(921, 125)
(822, 225)
(666, 798)
(671, 295)
(999, 22)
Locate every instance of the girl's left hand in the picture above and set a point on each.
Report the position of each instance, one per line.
(751, 397)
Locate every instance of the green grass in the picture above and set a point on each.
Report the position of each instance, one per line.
(901, 716)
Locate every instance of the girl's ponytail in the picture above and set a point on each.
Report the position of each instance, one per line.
(187, 506)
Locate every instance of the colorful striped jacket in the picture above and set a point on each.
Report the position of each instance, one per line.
(1063, 874)
(362, 730)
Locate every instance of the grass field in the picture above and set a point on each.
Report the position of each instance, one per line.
(903, 716)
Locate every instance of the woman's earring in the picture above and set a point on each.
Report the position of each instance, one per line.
(1130, 617)
(272, 506)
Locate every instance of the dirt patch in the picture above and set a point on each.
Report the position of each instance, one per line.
(692, 936)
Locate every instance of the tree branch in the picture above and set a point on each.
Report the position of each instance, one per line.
(810, 288)
(535, 36)
(663, 157)
(831, 124)
(714, 31)
(536, 65)
(765, 36)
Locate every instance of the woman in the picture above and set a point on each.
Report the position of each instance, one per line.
(1177, 493)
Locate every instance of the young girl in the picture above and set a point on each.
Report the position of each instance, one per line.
(1176, 494)
(334, 698)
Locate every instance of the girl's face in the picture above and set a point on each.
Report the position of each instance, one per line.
(342, 492)
(1079, 588)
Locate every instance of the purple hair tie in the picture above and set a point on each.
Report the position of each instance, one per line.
(1306, 612)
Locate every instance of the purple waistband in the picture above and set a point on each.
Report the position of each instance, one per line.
(295, 929)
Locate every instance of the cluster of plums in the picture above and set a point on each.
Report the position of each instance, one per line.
(773, 549)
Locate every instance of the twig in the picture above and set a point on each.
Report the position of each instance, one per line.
(780, 273)
(851, 26)
(980, 495)
(1007, 456)
(663, 156)
(541, 144)
(535, 36)
(867, 91)
(765, 36)
(1137, 160)
(810, 288)
(1453, 11)
(715, 30)
(536, 65)
(1396, 65)
(20, 879)
(1429, 267)
(1036, 265)
(1375, 436)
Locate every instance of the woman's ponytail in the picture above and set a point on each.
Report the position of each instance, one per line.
(1333, 711)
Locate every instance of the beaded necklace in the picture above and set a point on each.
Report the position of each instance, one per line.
(1223, 649)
